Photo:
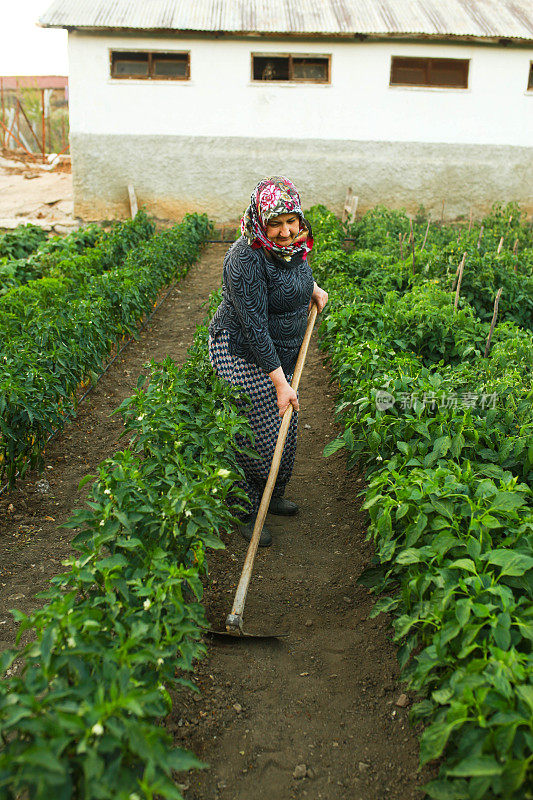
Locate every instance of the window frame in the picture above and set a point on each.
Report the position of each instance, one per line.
(298, 56)
(150, 54)
(529, 87)
(429, 59)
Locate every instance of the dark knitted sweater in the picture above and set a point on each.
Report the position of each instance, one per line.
(264, 306)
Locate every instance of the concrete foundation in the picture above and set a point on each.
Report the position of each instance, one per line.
(173, 175)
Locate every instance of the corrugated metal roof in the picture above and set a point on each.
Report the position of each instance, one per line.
(480, 19)
(33, 81)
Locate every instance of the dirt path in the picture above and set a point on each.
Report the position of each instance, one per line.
(322, 702)
(325, 697)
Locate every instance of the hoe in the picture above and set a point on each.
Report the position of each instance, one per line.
(234, 620)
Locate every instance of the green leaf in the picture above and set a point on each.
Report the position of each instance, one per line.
(212, 541)
(411, 556)
(457, 444)
(332, 447)
(526, 693)
(475, 767)
(434, 740)
(47, 642)
(182, 760)
(507, 501)
(86, 480)
(512, 563)
(402, 510)
(464, 563)
(444, 790)
(463, 608)
(117, 560)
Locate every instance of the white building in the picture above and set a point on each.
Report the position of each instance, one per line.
(193, 101)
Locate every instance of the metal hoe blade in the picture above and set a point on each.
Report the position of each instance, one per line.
(234, 630)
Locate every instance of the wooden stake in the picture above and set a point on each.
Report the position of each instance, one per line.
(500, 245)
(401, 246)
(350, 207)
(3, 111)
(480, 235)
(133, 200)
(460, 278)
(425, 236)
(515, 248)
(411, 235)
(493, 323)
(43, 125)
(413, 251)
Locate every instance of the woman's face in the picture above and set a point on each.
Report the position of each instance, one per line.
(282, 229)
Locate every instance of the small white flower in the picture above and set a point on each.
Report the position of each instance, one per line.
(102, 523)
(134, 796)
(214, 490)
(107, 491)
(161, 688)
(159, 662)
(146, 604)
(97, 729)
(71, 641)
(140, 417)
(188, 513)
(223, 473)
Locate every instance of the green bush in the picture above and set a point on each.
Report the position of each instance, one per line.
(122, 626)
(446, 439)
(56, 332)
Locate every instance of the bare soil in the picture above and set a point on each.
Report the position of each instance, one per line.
(36, 193)
(313, 715)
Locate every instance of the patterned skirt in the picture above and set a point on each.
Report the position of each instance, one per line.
(264, 419)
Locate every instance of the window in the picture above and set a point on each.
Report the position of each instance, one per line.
(444, 72)
(530, 78)
(295, 68)
(150, 66)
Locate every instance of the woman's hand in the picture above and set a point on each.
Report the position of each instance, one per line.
(285, 393)
(286, 396)
(319, 296)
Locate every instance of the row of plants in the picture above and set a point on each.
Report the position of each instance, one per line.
(445, 436)
(390, 230)
(90, 249)
(56, 332)
(82, 704)
(21, 242)
(386, 266)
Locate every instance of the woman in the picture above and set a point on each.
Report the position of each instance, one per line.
(256, 332)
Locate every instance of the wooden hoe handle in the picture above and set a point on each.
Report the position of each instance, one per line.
(234, 620)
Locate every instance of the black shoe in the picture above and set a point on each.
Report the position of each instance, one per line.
(246, 528)
(282, 507)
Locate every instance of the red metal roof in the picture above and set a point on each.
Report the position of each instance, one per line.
(34, 81)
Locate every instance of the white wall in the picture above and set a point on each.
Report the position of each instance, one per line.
(221, 100)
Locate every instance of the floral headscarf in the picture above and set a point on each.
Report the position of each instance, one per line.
(271, 197)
